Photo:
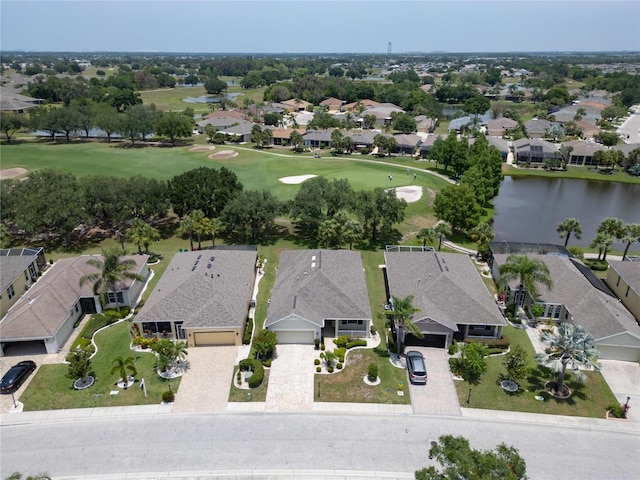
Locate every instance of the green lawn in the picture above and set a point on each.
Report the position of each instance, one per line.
(589, 399)
(51, 390)
(173, 98)
(348, 384)
(258, 394)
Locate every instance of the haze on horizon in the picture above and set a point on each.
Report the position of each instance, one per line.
(313, 26)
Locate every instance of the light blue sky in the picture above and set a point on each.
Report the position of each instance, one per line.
(358, 26)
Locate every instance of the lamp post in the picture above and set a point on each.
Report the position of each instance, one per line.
(15, 405)
(469, 398)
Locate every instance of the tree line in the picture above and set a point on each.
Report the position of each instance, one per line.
(58, 207)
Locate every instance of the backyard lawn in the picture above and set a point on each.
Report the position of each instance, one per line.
(50, 389)
(348, 384)
(589, 399)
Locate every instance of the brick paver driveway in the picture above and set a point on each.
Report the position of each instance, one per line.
(205, 386)
(438, 396)
(291, 379)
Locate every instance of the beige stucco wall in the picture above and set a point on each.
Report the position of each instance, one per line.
(630, 300)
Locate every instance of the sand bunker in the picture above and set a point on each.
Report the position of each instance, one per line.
(223, 154)
(410, 194)
(296, 180)
(11, 173)
(202, 148)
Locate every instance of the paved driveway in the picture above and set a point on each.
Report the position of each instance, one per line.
(438, 396)
(205, 386)
(291, 379)
(623, 379)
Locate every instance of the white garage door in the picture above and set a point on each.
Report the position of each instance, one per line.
(626, 354)
(207, 339)
(303, 337)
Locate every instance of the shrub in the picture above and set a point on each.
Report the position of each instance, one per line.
(372, 371)
(381, 352)
(95, 323)
(321, 354)
(339, 366)
(316, 361)
(365, 151)
(330, 369)
(318, 369)
(357, 343)
(502, 343)
(266, 362)
(340, 351)
(254, 366)
(576, 252)
(168, 396)
(453, 348)
(112, 312)
(373, 329)
(616, 410)
(597, 265)
(341, 341)
(322, 347)
(248, 330)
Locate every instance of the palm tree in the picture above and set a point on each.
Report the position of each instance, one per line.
(194, 223)
(113, 270)
(572, 346)
(530, 273)
(568, 226)
(610, 228)
(402, 313)
(122, 366)
(296, 139)
(214, 228)
(603, 242)
(631, 235)
(352, 232)
(482, 234)
(427, 235)
(142, 234)
(442, 230)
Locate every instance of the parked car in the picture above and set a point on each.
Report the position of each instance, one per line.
(416, 367)
(16, 376)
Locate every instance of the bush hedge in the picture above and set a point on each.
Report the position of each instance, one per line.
(112, 312)
(254, 366)
(372, 371)
(95, 323)
(341, 341)
(382, 352)
(357, 343)
(501, 343)
(168, 396)
(248, 330)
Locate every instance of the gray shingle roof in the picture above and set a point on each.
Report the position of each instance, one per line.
(629, 272)
(12, 266)
(211, 293)
(319, 284)
(601, 314)
(42, 310)
(447, 288)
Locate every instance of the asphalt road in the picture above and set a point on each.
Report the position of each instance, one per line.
(222, 442)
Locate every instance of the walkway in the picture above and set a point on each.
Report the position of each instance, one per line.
(291, 379)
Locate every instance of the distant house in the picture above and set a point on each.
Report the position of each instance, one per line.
(218, 122)
(241, 131)
(500, 144)
(332, 104)
(579, 297)
(627, 149)
(408, 143)
(452, 299)
(537, 128)
(203, 297)
(46, 314)
(623, 278)
(587, 130)
(425, 124)
(317, 139)
(499, 126)
(282, 136)
(366, 103)
(426, 145)
(12, 101)
(19, 270)
(533, 150)
(319, 293)
(238, 114)
(362, 138)
(582, 152)
(294, 105)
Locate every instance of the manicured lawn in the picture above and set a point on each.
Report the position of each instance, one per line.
(582, 173)
(348, 385)
(589, 399)
(258, 394)
(51, 390)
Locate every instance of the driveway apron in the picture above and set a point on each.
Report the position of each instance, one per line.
(438, 396)
(291, 379)
(205, 386)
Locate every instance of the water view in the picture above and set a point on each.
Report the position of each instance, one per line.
(530, 209)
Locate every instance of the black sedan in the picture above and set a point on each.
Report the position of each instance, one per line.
(16, 376)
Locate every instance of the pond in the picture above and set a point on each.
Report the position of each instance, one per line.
(210, 98)
(530, 209)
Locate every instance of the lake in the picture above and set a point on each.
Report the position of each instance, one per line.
(529, 209)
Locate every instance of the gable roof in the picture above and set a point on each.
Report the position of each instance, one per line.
(319, 284)
(447, 288)
(502, 122)
(204, 288)
(332, 102)
(537, 126)
(629, 272)
(13, 262)
(525, 144)
(42, 310)
(582, 148)
(589, 305)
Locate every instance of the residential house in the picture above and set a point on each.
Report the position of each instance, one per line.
(498, 143)
(382, 112)
(241, 132)
(623, 278)
(407, 143)
(19, 270)
(447, 288)
(427, 143)
(47, 313)
(579, 297)
(203, 297)
(282, 136)
(319, 293)
(238, 114)
(362, 138)
(332, 104)
(317, 139)
(533, 150)
(425, 124)
(365, 103)
(12, 101)
(499, 126)
(627, 149)
(218, 122)
(293, 105)
(537, 128)
(587, 130)
(582, 152)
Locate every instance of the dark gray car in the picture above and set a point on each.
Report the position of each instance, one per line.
(416, 367)
(16, 375)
